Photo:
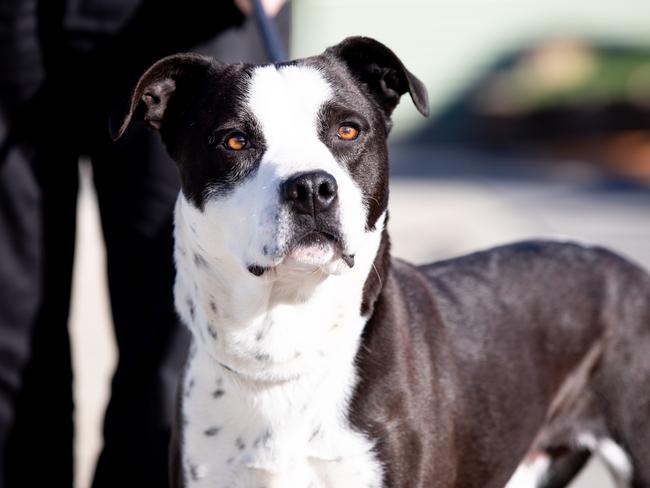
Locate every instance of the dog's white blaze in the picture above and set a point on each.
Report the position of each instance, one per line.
(286, 102)
(291, 336)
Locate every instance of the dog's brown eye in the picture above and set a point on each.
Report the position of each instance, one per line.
(347, 133)
(236, 142)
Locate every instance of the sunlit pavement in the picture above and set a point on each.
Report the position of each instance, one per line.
(443, 203)
(459, 201)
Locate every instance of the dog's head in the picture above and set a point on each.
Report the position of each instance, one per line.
(286, 164)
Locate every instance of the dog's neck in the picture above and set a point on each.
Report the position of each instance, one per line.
(279, 325)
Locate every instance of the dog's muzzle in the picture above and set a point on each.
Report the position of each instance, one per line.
(310, 200)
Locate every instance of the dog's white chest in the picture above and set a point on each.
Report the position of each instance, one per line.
(282, 435)
(266, 390)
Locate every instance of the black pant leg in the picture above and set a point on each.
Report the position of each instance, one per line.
(137, 186)
(20, 281)
(35, 393)
(43, 424)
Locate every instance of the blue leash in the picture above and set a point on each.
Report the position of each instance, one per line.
(270, 38)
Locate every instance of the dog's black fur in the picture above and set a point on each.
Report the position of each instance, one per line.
(464, 361)
(465, 364)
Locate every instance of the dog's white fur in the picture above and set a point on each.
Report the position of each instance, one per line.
(613, 456)
(532, 472)
(272, 367)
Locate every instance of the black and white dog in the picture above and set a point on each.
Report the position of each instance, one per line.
(320, 361)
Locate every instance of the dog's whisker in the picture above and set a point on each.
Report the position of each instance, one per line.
(381, 285)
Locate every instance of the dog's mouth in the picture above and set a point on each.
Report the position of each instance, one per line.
(317, 248)
(313, 243)
(310, 250)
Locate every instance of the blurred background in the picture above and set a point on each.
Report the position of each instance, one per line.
(539, 128)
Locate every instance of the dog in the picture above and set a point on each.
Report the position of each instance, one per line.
(318, 360)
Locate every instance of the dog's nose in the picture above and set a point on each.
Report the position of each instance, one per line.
(310, 193)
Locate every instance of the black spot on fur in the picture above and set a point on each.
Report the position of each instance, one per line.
(194, 472)
(213, 306)
(262, 357)
(189, 387)
(212, 331)
(260, 335)
(227, 368)
(212, 431)
(200, 261)
(263, 438)
(314, 434)
(218, 393)
(190, 306)
(239, 442)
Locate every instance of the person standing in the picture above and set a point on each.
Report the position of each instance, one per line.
(64, 66)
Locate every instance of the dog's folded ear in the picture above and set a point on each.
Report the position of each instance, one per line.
(382, 72)
(151, 98)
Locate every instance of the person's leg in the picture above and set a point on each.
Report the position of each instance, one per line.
(20, 262)
(43, 428)
(137, 187)
(35, 396)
